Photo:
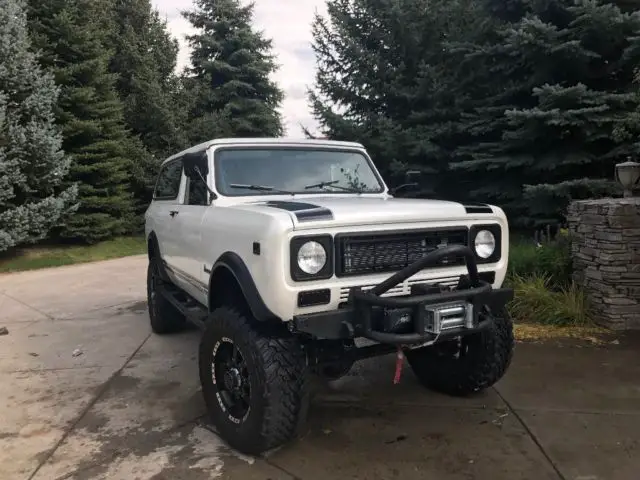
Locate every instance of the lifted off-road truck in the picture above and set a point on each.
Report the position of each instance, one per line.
(287, 252)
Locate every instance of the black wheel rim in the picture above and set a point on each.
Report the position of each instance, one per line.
(231, 378)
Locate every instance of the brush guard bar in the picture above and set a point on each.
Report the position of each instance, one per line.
(427, 316)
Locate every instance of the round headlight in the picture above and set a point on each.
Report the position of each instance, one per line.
(485, 244)
(311, 257)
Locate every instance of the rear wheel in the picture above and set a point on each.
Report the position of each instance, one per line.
(164, 317)
(254, 381)
(471, 364)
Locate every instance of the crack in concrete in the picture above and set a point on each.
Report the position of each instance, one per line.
(533, 437)
(20, 324)
(372, 402)
(101, 391)
(5, 294)
(278, 467)
(611, 413)
(57, 369)
(74, 317)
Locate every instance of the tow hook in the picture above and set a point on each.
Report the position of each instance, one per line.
(399, 364)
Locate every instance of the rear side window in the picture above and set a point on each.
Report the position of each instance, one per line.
(168, 184)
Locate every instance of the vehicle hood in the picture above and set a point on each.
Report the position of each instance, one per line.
(319, 211)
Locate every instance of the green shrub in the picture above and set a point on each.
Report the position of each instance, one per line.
(536, 302)
(551, 260)
(544, 292)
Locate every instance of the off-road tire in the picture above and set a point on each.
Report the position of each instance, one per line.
(277, 375)
(483, 359)
(163, 316)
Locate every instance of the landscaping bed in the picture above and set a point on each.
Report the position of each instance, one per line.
(547, 302)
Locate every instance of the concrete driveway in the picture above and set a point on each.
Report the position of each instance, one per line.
(87, 392)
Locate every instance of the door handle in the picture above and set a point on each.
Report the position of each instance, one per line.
(173, 213)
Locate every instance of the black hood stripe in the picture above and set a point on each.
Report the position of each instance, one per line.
(477, 208)
(304, 212)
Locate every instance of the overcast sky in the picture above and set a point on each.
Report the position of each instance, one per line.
(288, 24)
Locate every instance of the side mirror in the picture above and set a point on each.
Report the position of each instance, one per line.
(194, 163)
(196, 166)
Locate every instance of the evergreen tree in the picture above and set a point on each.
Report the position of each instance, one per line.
(32, 163)
(72, 36)
(383, 78)
(552, 105)
(228, 82)
(521, 103)
(144, 59)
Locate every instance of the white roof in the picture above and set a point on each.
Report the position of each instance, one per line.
(266, 141)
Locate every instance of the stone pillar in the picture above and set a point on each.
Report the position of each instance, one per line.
(605, 246)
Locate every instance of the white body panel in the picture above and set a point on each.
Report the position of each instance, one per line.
(352, 210)
(192, 240)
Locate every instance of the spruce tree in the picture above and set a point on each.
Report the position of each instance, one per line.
(553, 105)
(228, 83)
(383, 78)
(72, 36)
(144, 60)
(32, 163)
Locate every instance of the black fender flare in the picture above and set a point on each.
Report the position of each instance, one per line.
(153, 250)
(232, 262)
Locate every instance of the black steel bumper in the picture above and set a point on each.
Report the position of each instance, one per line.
(427, 314)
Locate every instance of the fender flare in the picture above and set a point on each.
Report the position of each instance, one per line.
(232, 262)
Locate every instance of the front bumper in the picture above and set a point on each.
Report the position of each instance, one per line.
(427, 315)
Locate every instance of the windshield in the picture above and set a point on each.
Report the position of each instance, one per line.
(272, 171)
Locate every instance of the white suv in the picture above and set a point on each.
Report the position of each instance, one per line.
(285, 252)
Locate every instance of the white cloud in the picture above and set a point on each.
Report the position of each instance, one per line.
(288, 24)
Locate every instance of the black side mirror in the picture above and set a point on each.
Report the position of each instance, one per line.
(196, 166)
(194, 163)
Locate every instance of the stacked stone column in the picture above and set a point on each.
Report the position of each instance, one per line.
(605, 238)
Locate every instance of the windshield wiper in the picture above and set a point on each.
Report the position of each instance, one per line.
(332, 184)
(261, 188)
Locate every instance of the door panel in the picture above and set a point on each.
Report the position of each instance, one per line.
(167, 195)
(187, 224)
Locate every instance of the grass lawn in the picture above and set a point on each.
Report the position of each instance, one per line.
(32, 258)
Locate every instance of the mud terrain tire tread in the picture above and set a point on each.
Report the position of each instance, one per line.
(489, 356)
(278, 379)
(163, 316)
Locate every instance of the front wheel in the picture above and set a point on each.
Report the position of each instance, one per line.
(254, 381)
(469, 365)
